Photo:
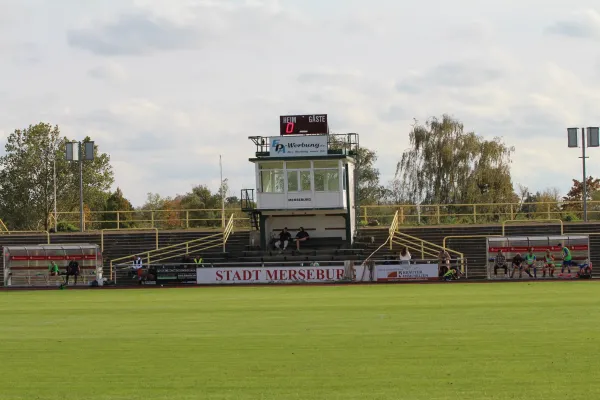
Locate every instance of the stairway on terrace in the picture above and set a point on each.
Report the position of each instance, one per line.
(325, 251)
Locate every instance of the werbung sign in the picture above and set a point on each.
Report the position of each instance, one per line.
(297, 146)
(237, 275)
(406, 272)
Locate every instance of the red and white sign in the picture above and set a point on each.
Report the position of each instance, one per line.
(521, 249)
(237, 275)
(406, 272)
(56, 258)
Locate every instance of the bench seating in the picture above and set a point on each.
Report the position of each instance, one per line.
(40, 276)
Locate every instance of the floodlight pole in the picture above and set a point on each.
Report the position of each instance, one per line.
(79, 156)
(592, 140)
(81, 223)
(583, 144)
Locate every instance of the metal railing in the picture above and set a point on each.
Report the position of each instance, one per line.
(373, 215)
(440, 214)
(177, 250)
(419, 245)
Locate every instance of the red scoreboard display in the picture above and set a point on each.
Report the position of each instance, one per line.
(315, 124)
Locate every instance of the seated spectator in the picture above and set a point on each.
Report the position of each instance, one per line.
(548, 264)
(186, 259)
(443, 262)
(405, 256)
(301, 236)
(530, 263)
(284, 239)
(53, 269)
(73, 270)
(585, 269)
(500, 262)
(517, 264)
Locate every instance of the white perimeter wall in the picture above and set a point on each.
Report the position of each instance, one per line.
(318, 222)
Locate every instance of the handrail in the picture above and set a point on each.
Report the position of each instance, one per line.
(200, 244)
(125, 230)
(401, 238)
(562, 226)
(467, 237)
(228, 230)
(3, 226)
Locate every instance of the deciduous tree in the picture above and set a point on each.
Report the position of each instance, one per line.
(27, 178)
(447, 165)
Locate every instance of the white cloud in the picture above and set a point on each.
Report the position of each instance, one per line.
(165, 87)
(582, 24)
(109, 71)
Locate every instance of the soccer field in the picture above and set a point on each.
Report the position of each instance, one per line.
(456, 341)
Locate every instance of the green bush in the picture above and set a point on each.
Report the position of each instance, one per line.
(66, 227)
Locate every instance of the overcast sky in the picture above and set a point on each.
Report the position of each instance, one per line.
(164, 87)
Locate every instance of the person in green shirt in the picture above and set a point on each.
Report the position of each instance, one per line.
(53, 269)
(530, 261)
(567, 259)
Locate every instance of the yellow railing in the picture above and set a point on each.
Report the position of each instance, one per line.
(439, 214)
(379, 215)
(3, 228)
(228, 231)
(419, 245)
(126, 230)
(165, 253)
(200, 219)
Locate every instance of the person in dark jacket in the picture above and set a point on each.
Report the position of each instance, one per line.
(301, 236)
(74, 270)
(517, 263)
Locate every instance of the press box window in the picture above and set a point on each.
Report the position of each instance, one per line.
(327, 180)
(272, 181)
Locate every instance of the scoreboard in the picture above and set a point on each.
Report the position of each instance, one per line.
(315, 124)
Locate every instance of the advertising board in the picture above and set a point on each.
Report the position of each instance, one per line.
(406, 272)
(254, 275)
(175, 274)
(297, 146)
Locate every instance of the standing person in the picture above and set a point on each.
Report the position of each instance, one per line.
(567, 259)
(517, 264)
(301, 236)
(405, 256)
(443, 262)
(530, 261)
(72, 270)
(500, 262)
(284, 239)
(548, 264)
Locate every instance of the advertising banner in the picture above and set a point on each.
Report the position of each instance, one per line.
(252, 275)
(406, 272)
(298, 146)
(175, 274)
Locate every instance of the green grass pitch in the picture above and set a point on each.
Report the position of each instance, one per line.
(455, 341)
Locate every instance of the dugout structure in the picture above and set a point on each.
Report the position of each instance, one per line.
(26, 266)
(511, 245)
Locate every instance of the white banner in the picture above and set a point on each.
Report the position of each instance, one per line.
(240, 275)
(296, 146)
(406, 272)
